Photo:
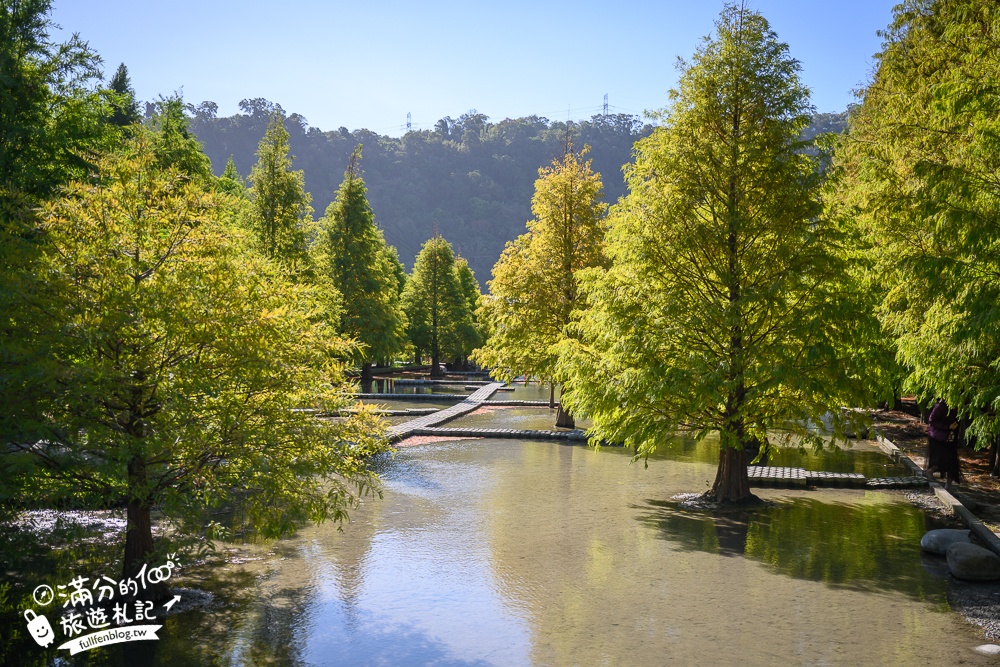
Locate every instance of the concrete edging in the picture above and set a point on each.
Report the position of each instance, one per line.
(988, 537)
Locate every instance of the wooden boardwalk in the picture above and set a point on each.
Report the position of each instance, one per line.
(412, 397)
(430, 425)
(467, 405)
(792, 477)
(575, 435)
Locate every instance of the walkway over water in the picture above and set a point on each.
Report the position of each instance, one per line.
(429, 425)
(471, 402)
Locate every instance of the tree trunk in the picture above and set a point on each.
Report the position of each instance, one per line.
(732, 483)
(436, 364)
(995, 458)
(563, 418)
(139, 534)
(552, 395)
(366, 377)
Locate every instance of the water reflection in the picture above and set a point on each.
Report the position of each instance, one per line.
(506, 552)
(514, 417)
(870, 545)
(861, 457)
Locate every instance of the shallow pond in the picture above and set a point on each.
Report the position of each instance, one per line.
(513, 417)
(505, 552)
(404, 404)
(863, 457)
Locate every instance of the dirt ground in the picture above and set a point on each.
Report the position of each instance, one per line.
(980, 492)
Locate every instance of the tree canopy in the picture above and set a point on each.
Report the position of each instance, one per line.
(183, 362)
(470, 178)
(280, 206)
(436, 307)
(363, 269)
(722, 311)
(534, 289)
(915, 178)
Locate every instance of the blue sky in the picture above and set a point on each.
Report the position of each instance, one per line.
(366, 64)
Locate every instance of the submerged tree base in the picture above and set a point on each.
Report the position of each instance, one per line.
(709, 500)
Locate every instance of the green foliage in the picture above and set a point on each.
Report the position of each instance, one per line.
(175, 146)
(471, 336)
(353, 254)
(125, 108)
(50, 115)
(51, 127)
(436, 308)
(725, 305)
(180, 362)
(476, 192)
(916, 176)
(280, 205)
(231, 182)
(534, 290)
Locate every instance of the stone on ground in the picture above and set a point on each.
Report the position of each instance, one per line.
(988, 649)
(938, 541)
(973, 563)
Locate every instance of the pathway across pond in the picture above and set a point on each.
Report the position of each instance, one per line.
(430, 425)
(471, 402)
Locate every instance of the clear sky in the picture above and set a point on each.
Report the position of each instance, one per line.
(367, 63)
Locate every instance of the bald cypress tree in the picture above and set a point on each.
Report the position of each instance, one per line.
(724, 307)
(280, 208)
(435, 305)
(534, 290)
(124, 107)
(916, 178)
(362, 267)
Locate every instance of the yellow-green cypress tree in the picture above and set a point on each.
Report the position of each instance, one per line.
(534, 292)
(724, 306)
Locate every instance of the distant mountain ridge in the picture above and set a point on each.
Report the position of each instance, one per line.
(468, 178)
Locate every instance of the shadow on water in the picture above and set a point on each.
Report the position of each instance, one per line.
(245, 630)
(863, 459)
(870, 546)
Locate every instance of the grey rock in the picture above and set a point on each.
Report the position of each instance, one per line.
(973, 563)
(988, 649)
(938, 541)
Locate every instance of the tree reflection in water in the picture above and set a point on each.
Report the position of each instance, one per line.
(870, 545)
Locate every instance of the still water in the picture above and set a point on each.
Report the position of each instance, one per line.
(505, 552)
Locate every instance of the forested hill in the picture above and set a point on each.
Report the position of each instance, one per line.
(469, 178)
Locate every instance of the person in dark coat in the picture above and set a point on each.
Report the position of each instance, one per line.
(942, 445)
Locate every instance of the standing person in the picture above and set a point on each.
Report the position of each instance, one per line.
(942, 446)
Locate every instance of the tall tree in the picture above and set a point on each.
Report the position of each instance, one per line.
(183, 361)
(280, 210)
(230, 181)
(174, 145)
(51, 129)
(722, 311)
(360, 265)
(916, 175)
(471, 336)
(435, 306)
(50, 112)
(534, 290)
(124, 107)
